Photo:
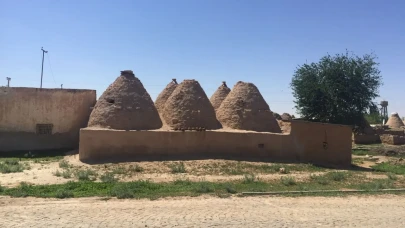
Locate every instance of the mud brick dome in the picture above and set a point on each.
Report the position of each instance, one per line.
(125, 105)
(245, 109)
(189, 107)
(219, 96)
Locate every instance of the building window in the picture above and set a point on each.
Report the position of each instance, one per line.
(44, 129)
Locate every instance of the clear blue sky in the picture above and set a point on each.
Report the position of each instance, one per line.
(259, 41)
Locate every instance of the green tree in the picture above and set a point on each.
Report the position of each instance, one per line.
(337, 89)
(373, 115)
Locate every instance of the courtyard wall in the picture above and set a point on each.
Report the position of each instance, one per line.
(322, 144)
(42, 119)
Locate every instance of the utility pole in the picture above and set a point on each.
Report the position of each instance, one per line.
(8, 81)
(42, 70)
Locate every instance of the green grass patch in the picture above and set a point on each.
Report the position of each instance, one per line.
(389, 168)
(337, 176)
(327, 178)
(358, 161)
(204, 187)
(360, 152)
(377, 185)
(320, 179)
(185, 187)
(241, 168)
(230, 189)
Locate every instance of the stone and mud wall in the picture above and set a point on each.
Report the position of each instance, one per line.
(317, 143)
(43, 119)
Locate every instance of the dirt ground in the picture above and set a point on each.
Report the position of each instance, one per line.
(382, 149)
(161, 171)
(352, 211)
(202, 211)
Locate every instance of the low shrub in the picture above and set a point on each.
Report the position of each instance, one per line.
(204, 187)
(122, 191)
(288, 181)
(11, 166)
(249, 178)
(63, 193)
(178, 167)
(108, 178)
(86, 175)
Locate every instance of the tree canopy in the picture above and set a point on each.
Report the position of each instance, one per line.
(337, 89)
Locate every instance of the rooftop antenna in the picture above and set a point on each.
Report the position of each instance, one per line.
(8, 81)
(42, 70)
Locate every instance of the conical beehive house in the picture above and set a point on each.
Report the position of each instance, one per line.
(395, 121)
(245, 109)
(125, 105)
(165, 94)
(286, 117)
(219, 96)
(188, 107)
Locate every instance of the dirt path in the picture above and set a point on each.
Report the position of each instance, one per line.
(365, 211)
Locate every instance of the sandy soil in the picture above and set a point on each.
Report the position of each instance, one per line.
(353, 211)
(160, 171)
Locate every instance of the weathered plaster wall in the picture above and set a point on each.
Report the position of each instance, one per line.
(21, 109)
(322, 144)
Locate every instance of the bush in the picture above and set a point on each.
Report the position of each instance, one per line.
(64, 164)
(21, 191)
(66, 174)
(119, 170)
(377, 185)
(204, 187)
(230, 189)
(320, 179)
(249, 178)
(337, 176)
(63, 193)
(392, 176)
(122, 191)
(391, 168)
(57, 173)
(138, 168)
(178, 167)
(108, 178)
(85, 175)
(182, 182)
(11, 166)
(288, 181)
